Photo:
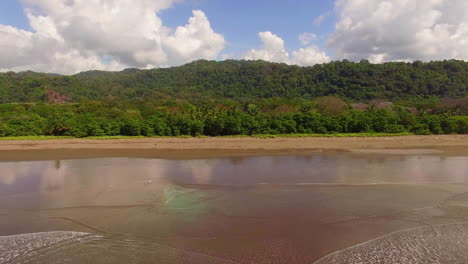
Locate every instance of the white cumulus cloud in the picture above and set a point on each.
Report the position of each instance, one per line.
(195, 40)
(68, 36)
(310, 56)
(384, 30)
(273, 49)
(73, 35)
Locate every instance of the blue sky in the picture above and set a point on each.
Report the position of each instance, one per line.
(68, 36)
(11, 13)
(238, 24)
(241, 20)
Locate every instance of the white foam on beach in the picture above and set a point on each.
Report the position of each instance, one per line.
(27, 245)
(443, 244)
(74, 248)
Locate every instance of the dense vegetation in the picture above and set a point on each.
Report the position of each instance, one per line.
(244, 80)
(239, 98)
(324, 115)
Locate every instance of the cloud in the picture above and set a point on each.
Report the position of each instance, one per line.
(401, 30)
(195, 40)
(228, 56)
(310, 56)
(306, 38)
(273, 49)
(318, 20)
(68, 36)
(73, 35)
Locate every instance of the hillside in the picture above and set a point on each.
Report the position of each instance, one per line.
(245, 79)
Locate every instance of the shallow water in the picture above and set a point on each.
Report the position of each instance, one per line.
(428, 244)
(280, 209)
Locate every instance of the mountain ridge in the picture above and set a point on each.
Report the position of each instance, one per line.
(237, 79)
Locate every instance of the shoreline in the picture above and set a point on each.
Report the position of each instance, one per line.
(192, 148)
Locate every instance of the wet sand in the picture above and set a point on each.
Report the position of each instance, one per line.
(341, 207)
(227, 147)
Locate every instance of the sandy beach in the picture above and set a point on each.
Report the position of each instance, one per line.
(215, 147)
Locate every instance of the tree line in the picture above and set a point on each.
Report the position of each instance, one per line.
(326, 115)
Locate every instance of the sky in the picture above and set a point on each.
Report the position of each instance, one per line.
(69, 36)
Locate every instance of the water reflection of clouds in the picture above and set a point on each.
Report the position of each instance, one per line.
(50, 174)
(202, 171)
(53, 177)
(7, 176)
(116, 173)
(401, 169)
(321, 168)
(98, 175)
(11, 172)
(79, 175)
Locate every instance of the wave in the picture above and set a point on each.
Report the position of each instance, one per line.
(443, 244)
(74, 247)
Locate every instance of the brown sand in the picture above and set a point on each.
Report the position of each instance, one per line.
(215, 147)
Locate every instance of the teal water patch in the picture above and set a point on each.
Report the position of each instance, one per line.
(182, 200)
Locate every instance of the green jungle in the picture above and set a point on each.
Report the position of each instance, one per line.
(232, 98)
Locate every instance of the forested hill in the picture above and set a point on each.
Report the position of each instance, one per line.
(360, 81)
